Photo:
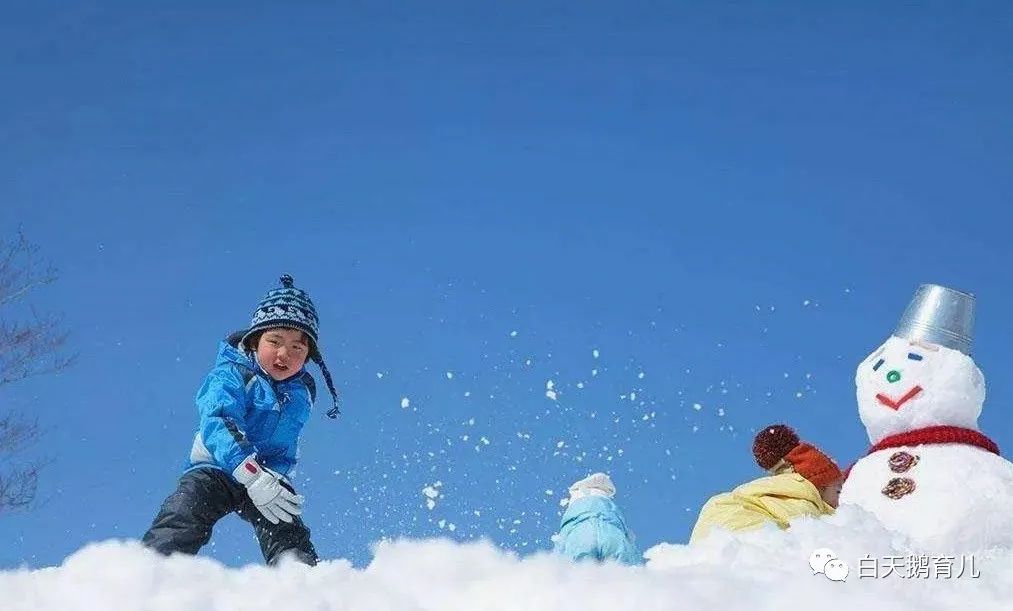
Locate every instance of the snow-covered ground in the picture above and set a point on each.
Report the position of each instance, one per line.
(768, 569)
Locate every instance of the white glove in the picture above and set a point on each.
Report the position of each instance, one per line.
(272, 499)
(597, 484)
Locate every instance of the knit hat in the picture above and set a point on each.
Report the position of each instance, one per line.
(286, 307)
(292, 308)
(596, 483)
(778, 449)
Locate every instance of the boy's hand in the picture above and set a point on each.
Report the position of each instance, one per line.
(272, 499)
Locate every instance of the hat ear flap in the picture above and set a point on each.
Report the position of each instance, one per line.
(234, 338)
(335, 409)
(251, 342)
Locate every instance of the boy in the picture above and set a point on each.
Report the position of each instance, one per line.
(252, 407)
(592, 525)
(802, 481)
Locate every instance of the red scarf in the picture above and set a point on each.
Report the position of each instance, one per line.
(936, 434)
(931, 435)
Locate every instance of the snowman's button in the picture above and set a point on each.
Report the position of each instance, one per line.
(899, 487)
(902, 461)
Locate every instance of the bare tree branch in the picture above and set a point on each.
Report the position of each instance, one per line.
(18, 487)
(27, 348)
(20, 269)
(34, 348)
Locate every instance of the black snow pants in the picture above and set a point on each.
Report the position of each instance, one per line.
(205, 496)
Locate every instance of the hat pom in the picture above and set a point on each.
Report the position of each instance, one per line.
(287, 281)
(772, 444)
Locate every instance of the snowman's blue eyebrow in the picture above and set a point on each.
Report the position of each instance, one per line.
(914, 357)
(878, 364)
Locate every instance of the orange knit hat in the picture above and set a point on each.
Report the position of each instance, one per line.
(778, 449)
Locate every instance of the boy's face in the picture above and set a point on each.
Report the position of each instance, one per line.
(282, 352)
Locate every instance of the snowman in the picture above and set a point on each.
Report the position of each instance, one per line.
(931, 474)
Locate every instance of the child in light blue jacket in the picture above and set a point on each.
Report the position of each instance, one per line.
(592, 525)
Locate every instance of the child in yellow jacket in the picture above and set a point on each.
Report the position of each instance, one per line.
(803, 481)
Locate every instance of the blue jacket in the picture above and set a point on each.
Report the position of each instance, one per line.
(242, 411)
(593, 527)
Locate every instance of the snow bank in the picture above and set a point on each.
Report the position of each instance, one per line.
(768, 569)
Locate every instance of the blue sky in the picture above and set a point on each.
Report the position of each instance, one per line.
(736, 201)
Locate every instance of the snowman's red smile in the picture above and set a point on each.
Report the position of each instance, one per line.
(895, 405)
